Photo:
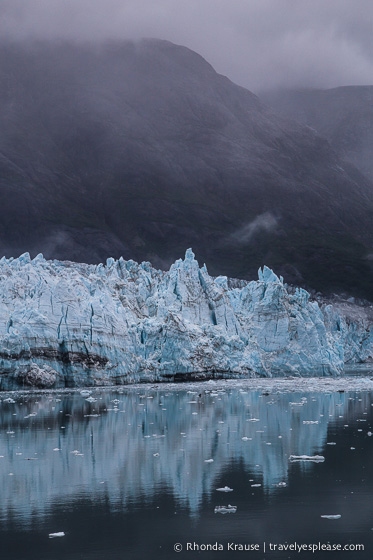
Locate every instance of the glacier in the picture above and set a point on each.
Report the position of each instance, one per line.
(65, 324)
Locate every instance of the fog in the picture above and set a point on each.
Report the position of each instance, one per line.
(260, 44)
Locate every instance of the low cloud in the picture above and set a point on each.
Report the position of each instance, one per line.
(263, 222)
(260, 44)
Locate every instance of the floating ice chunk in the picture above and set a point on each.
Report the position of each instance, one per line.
(155, 454)
(370, 434)
(331, 516)
(9, 400)
(313, 458)
(91, 399)
(255, 485)
(85, 393)
(56, 449)
(209, 460)
(54, 535)
(225, 489)
(225, 509)
(281, 484)
(310, 421)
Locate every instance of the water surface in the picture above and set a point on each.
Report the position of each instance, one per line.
(137, 470)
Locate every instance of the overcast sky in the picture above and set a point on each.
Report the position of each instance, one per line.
(259, 44)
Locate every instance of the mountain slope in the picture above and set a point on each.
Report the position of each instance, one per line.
(143, 149)
(344, 115)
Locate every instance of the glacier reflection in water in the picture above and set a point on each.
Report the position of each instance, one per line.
(129, 444)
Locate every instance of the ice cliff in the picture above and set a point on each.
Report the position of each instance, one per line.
(66, 324)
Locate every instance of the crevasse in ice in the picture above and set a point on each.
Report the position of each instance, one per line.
(64, 323)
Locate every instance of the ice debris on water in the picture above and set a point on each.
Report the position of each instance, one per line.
(225, 509)
(209, 460)
(225, 489)
(314, 458)
(54, 535)
(331, 516)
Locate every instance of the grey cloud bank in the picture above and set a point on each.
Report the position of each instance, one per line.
(260, 44)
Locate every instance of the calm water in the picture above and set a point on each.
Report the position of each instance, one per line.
(127, 476)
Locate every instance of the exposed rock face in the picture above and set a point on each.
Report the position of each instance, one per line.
(34, 376)
(127, 322)
(143, 149)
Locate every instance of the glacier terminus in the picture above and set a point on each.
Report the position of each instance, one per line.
(65, 324)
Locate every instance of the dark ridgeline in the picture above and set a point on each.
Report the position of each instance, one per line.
(143, 150)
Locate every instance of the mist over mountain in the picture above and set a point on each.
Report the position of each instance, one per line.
(142, 149)
(344, 115)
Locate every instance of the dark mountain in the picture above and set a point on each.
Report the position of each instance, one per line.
(344, 115)
(142, 150)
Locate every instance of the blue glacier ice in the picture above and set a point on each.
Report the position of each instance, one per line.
(68, 324)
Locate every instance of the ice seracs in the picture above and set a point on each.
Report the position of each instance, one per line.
(71, 324)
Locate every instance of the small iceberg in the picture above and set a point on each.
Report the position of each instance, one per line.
(313, 458)
(85, 393)
(225, 489)
(54, 535)
(331, 516)
(225, 509)
(209, 460)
